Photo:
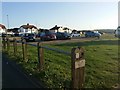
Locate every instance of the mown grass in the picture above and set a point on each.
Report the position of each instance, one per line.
(101, 62)
(101, 69)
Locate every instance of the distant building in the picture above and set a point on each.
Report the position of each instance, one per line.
(13, 31)
(60, 29)
(74, 31)
(42, 30)
(2, 29)
(28, 29)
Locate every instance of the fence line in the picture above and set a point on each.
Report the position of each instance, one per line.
(77, 59)
(54, 49)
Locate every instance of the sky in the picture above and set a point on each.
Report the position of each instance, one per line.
(74, 15)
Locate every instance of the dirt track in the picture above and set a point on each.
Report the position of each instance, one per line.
(75, 39)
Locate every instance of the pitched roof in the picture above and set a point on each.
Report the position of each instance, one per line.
(55, 28)
(65, 28)
(28, 26)
(2, 26)
(13, 30)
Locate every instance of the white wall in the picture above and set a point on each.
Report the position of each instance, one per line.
(2, 30)
(61, 30)
(23, 31)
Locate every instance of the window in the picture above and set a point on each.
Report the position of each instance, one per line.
(22, 30)
(26, 30)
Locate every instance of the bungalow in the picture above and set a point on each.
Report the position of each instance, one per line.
(2, 29)
(27, 29)
(60, 29)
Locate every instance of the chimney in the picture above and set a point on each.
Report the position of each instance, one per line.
(27, 24)
(55, 25)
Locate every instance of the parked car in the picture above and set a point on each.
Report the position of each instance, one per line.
(28, 37)
(75, 34)
(47, 36)
(3, 35)
(92, 34)
(117, 32)
(38, 35)
(63, 35)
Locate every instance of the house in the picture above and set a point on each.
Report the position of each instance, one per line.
(42, 30)
(13, 31)
(60, 29)
(2, 29)
(27, 29)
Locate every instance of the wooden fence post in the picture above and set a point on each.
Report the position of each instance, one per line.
(78, 68)
(4, 43)
(15, 45)
(40, 56)
(8, 44)
(24, 49)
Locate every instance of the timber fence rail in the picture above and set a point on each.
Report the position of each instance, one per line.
(76, 54)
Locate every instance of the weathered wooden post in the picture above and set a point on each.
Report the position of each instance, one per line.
(4, 43)
(24, 49)
(40, 56)
(8, 44)
(78, 68)
(15, 46)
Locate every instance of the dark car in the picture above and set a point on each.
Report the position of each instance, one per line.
(63, 35)
(92, 34)
(28, 37)
(47, 36)
(3, 35)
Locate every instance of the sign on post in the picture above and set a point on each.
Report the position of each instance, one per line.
(40, 56)
(78, 68)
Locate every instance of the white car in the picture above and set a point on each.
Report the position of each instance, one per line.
(75, 35)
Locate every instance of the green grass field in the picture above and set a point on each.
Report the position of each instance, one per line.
(101, 69)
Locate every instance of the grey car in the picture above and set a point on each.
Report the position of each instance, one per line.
(92, 34)
(28, 37)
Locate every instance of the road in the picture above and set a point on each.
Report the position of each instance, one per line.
(13, 78)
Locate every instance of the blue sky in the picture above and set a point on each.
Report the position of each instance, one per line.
(75, 15)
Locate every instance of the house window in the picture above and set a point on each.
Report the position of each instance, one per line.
(22, 30)
(26, 30)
